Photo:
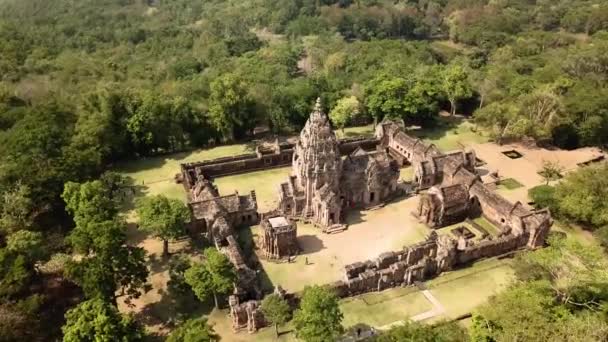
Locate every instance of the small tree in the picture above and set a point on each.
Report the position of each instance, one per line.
(194, 330)
(344, 111)
(276, 310)
(319, 317)
(163, 217)
(216, 276)
(455, 85)
(95, 320)
(551, 171)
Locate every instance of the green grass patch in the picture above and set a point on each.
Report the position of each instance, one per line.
(378, 309)
(462, 290)
(265, 183)
(510, 184)
(406, 174)
(155, 175)
(451, 134)
(357, 131)
(491, 228)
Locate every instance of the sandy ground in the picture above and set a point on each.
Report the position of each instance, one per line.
(369, 234)
(525, 169)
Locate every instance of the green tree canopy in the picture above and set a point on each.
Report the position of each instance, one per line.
(455, 85)
(276, 310)
(215, 276)
(345, 110)
(89, 202)
(421, 332)
(164, 217)
(95, 320)
(319, 317)
(231, 109)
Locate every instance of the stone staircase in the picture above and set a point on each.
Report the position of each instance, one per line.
(335, 228)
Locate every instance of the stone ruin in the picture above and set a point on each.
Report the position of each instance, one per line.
(280, 237)
(248, 315)
(217, 216)
(322, 185)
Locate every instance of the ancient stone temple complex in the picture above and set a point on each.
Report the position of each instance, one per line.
(322, 184)
(330, 176)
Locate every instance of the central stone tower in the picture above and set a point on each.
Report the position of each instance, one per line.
(314, 188)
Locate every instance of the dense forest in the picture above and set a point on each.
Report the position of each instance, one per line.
(85, 84)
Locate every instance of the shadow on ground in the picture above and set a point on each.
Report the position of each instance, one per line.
(310, 244)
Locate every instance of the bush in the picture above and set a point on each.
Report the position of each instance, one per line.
(543, 196)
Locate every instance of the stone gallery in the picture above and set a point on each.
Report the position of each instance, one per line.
(330, 176)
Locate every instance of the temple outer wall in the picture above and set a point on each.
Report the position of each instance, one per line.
(259, 161)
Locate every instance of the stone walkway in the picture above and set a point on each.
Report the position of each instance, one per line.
(437, 310)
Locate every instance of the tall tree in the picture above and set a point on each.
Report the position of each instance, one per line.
(421, 332)
(89, 202)
(455, 85)
(276, 310)
(16, 208)
(95, 320)
(551, 171)
(165, 218)
(216, 276)
(319, 317)
(231, 109)
(345, 110)
(194, 330)
(109, 267)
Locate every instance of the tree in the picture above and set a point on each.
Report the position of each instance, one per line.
(420, 332)
(319, 317)
(231, 109)
(108, 263)
(276, 310)
(95, 320)
(16, 207)
(455, 85)
(383, 97)
(89, 202)
(543, 196)
(344, 111)
(26, 243)
(194, 330)
(582, 196)
(216, 276)
(165, 218)
(551, 171)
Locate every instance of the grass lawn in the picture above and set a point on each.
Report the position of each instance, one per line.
(509, 184)
(358, 131)
(378, 309)
(462, 290)
(407, 174)
(491, 228)
(155, 174)
(451, 134)
(265, 183)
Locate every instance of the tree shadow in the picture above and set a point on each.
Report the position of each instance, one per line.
(171, 310)
(310, 244)
(131, 193)
(353, 216)
(438, 129)
(135, 236)
(158, 263)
